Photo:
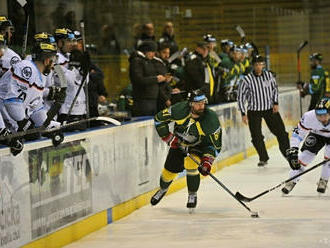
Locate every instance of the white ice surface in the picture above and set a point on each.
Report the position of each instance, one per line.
(301, 219)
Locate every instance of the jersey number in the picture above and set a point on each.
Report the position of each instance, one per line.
(22, 95)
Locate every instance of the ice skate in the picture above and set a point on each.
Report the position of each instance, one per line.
(288, 187)
(322, 186)
(262, 163)
(157, 196)
(192, 202)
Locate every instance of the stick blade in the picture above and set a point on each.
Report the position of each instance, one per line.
(240, 31)
(302, 45)
(22, 2)
(241, 197)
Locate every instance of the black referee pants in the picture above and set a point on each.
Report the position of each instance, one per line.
(275, 125)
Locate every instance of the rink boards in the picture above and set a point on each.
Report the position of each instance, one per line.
(50, 196)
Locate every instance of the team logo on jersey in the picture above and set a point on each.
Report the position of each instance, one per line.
(310, 141)
(27, 72)
(14, 60)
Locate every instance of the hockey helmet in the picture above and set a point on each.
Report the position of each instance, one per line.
(197, 96)
(2, 45)
(209, 38)
(2, 41)
(5, 22)
(323, 107)
(44, 37)
(227, 42)
(248, 45)
(316, 56)
(235, 48)
(243, 48)
(63, 33)
(258, 59)
(43, 50)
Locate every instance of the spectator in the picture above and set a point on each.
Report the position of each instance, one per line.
(147, 33)
(164, 99)
(145, 79)
(259, 89)
(169, 38)
(198, 73)
(109, 43)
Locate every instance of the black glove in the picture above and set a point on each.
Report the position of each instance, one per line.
(57, 138)
(56, 93)
(16, 146)
(292, 157)
(23, 125)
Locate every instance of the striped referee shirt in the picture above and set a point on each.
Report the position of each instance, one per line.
(260, 92)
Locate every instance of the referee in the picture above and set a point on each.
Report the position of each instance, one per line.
(259, 90)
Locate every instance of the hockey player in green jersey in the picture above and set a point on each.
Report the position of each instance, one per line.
(197, 130)
(319, 82)
(230, 77)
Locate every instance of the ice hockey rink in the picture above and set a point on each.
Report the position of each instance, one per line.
(301, 219)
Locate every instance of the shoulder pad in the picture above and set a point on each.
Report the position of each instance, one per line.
(10, 58)
(210, 122)
(27, 72)
(180, 110)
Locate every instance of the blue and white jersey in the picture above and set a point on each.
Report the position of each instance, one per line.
(23, 86)
(74, 80)
(308, 123)
(8, 59)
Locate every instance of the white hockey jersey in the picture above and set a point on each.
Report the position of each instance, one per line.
(8, 59)
(74, 80)
(308, 123)
(23, 86)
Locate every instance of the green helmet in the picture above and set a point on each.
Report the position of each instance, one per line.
(316, 56)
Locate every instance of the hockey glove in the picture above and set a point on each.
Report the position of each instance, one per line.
(23, 125)
(16, 146)
(57, 93)
(205, 166)
(292, 157)
(172, 141)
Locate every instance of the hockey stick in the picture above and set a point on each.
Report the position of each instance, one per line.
(253, 214)
(301, 46)
(249, 199)
(83, 82)
(241, 33)
(44, 130)
(82, 29)
(23, 4)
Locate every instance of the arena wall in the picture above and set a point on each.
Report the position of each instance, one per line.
(50, 197)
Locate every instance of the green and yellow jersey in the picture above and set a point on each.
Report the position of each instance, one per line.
(319, 82)
(202, 135)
